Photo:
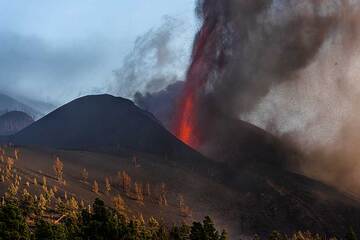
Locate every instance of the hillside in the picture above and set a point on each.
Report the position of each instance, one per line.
(260, 204)
(13, 122)
(105, 135)
(8, 104)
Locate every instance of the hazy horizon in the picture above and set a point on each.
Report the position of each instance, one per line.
(57, 52)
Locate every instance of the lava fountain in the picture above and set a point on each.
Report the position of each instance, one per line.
(187, 116)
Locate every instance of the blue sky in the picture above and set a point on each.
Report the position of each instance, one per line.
(57, 50)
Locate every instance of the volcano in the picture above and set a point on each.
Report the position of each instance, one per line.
(103, 123)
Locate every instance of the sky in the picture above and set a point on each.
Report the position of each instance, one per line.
(55, 51)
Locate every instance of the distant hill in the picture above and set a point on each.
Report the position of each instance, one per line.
(40, 106)
(8, 104)
(13, 122)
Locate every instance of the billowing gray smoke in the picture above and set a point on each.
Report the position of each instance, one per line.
(291, 67)
(158, 58)
(264, 43)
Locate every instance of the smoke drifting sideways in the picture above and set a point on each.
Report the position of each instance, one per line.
(158, 59)
(291, 67)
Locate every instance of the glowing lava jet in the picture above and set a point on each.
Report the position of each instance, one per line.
(186, 125)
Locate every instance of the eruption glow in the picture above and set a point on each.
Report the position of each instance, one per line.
(186, 121)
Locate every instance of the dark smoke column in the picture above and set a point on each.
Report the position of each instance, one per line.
(186, 125)
(196, 109)
(244, 48)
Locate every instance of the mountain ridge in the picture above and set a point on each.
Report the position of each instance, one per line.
(13, 122)
(8, 104)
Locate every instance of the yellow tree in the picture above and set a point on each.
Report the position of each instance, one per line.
(125, 180)
(139, 194)
(95, 187)
(82, 204)
(148, 190)
(41, 204)
(73, 206)
(17, 153)
(185, 211)
(162, 197)
(58, 168)
(9, 166)
(181, 201)
(107, 185)
(119, 204)
(84, 175)
(44, 184)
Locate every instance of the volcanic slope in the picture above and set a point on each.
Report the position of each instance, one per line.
(104, 123)
(106, 135)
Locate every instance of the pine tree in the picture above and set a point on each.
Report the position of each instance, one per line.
(206, 230)
(82, 204)
(41, 204)
(27, 203)
(95, 187)
(351, 235)
(73, 207)
(13, 224)
(119, 204)
(44, 185)
(12, 191)
(107, 185)
(58, 169)
(162, 197)
(9, 166)
(125, 180)
(84, 175)
(17, 153)
(135, 161)
(44, 181)
(185, 211)
(148, 190)
(139, 195)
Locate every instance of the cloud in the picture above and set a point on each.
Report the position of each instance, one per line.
(30, 67)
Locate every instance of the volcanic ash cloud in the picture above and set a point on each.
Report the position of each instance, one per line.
(290, 67)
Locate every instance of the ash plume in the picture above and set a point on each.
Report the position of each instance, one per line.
(158, 59)
(288, 66)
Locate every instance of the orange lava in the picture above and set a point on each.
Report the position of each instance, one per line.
(186, 128)
(186, 124)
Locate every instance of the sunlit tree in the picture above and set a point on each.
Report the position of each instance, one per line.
(84, 175)
(58, 168)
(95, 187)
